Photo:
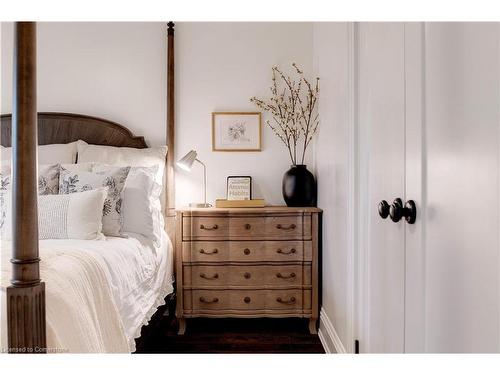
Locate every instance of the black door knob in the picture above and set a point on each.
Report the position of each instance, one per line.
(396, 210)
(410, 212)
(383, 209)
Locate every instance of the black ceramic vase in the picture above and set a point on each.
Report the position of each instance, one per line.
(299, 187)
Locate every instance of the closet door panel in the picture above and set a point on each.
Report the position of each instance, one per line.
(461, 184)
(381, 121)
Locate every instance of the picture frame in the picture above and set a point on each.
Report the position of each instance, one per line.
(236, 131)
(239, 188)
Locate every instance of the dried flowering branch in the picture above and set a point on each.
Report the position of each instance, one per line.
(294, 114)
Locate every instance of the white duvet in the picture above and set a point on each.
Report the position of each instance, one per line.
(98, 293)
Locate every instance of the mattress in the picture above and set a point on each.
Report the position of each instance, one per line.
(98, 293)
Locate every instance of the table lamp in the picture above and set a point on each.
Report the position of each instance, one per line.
(186, 163)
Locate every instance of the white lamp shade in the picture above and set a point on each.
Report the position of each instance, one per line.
(187, 160)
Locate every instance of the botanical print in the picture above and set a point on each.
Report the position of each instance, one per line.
(106, 210)
(43, 186)
(118, 206)
(68, 183)
(4, 181)
(86, 187)
(238, 131)
(48, 180)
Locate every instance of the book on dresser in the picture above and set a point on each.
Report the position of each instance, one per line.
(247, 263)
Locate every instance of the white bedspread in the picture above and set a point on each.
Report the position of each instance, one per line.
(98, 293)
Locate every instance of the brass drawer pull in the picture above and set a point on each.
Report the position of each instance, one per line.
(291, 226)
(246, 251)
(248, 226)
(280, 276)
(247, 299)
(292, 251)
(214, 300)
(215, 251)
(214, 227)
(215, 276)
(247, 275)
(289, 302)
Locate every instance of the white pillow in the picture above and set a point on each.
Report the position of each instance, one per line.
(124, 156)
(141, 207)
(80, 167)
(73, 216)
(48, 154)
(113, 178)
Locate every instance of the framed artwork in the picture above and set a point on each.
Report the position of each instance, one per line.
(236, 131)
(239, 188)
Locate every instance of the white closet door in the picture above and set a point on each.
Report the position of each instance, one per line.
(382, 130)
(460, 182)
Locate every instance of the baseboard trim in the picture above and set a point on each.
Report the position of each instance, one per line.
(328, 336)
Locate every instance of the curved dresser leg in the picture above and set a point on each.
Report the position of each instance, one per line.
(182, 326)
(312, 326)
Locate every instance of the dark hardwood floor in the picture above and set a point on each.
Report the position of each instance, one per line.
(227, 336)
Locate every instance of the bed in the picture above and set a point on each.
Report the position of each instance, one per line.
(62, 295)
(98, 293)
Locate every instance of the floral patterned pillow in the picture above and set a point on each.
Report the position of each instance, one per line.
(48, 183)
(48, 179)
(113, 178)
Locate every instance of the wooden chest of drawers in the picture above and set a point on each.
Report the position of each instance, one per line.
(247, 263)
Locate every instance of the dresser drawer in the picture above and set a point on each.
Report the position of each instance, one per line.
(294, 227)
(254, 300)
(261, 276)
(246, 251)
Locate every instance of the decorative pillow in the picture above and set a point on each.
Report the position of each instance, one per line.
(113, 178)
(73, 216)
(48, 154)
(141, 208)
(48, 179)
(124, 157)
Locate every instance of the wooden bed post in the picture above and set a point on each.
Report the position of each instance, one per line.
(170, 207)
(26, 295)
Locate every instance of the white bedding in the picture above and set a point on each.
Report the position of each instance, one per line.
(98, 293)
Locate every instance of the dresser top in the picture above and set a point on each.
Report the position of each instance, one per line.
(253, 210)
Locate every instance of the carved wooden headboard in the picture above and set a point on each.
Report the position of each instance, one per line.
(69, 127)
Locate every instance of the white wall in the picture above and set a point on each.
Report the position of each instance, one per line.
(110, 70)
(117, 71)
(219, 67)
(332, 63)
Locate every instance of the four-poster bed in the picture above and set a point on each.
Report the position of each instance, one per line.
(26, 309)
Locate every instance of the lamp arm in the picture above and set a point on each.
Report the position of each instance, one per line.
(204, 179)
